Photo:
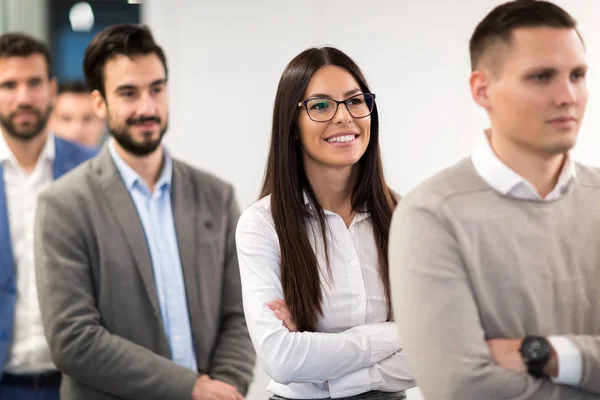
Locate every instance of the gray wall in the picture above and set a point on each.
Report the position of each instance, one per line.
(29, 16)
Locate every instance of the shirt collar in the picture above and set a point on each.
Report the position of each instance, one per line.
(5, 153)
(508, 182)
(359, 216)
(48, 151)
(131, 178)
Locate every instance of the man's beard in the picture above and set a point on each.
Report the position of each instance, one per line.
(125, 139)
(32, 130)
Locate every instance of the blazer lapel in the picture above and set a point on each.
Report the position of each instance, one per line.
(129, 220)
(183, 200)
(7, 270)
(63, 160)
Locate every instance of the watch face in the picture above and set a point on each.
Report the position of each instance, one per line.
(535, 350)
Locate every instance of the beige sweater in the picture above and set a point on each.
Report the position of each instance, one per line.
(469, 264)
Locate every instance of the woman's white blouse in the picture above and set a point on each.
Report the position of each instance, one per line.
(355, 350)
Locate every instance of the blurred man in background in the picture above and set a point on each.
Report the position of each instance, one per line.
(73, 117)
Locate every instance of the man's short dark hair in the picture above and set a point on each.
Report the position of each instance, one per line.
(16, 44)
(75, 87)
(500, 23)
(128, 40)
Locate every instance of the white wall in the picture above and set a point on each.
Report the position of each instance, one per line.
(29, 16)
(226, 58)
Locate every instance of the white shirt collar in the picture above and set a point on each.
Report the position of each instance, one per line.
(5, 153)
(48, 151)
(361, 215)
(506, 181)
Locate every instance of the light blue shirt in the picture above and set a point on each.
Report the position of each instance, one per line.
(156, 214)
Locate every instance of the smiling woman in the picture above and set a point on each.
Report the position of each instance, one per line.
(313, 251)
(330, 135)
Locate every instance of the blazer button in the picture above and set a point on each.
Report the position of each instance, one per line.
(3, 336)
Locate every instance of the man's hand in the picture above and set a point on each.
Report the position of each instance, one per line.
(206, 388)
(507, 355)
(283, 313)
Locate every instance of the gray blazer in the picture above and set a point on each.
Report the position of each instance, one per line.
(98, 296)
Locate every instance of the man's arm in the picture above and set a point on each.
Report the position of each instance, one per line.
(565, 365)
(81, 347)
(507, 354)
(233, 357)
(438, 318)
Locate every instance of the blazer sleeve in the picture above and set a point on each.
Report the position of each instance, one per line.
(80, 346)
(233, 356)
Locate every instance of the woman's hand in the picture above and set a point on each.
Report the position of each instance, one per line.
(281, 311)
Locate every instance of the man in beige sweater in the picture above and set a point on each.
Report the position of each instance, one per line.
(495, 262)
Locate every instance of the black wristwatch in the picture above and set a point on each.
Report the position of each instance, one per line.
(536, 351)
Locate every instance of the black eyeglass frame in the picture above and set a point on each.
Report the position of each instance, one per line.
(337, 105)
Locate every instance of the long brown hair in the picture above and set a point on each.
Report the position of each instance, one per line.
(286, 182)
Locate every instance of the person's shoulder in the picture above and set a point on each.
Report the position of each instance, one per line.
(458, 181)
(76, 150)
(257, 213)
(261, 207)
(73, 188)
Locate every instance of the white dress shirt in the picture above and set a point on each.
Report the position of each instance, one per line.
(506, 181)
(354, 349)
(29, 352)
